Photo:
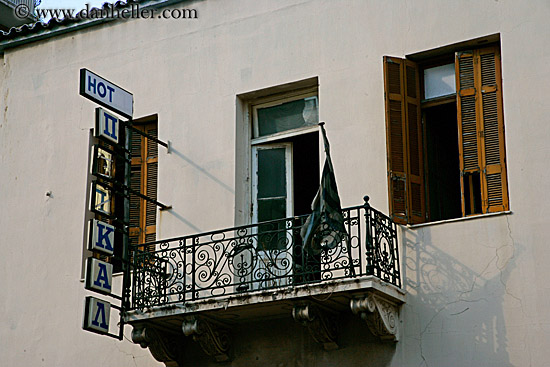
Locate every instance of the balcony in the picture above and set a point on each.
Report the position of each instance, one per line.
(7, 13)
(202, 285)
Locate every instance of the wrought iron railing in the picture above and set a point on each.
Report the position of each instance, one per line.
(262, 256)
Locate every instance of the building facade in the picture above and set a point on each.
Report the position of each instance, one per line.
(434, 109)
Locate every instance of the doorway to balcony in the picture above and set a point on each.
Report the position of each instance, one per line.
(285, 179)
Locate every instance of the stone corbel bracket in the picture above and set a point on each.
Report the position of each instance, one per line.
(381, 315)
(163, 347)
(321, 325)
(213, 341)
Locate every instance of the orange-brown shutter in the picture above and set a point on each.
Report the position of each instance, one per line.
(396, 137)
(135, 184)
(468, 132)
(493, 158)
(415, 148)
(150, 184)
(144, 174)
(404, 141)
(481, 125)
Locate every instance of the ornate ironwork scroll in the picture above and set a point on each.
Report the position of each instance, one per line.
(381, 244)
(214, 341)
(163, 347)
(267, 255)
(321, 325)
(380, 315)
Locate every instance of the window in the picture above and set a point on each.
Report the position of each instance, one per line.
(285, 155)
(143, 178)
(272, 187)
(445, 141)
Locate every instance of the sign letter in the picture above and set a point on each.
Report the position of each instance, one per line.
(100, 313)
(106, 124)
(112, 121)
(100, 199)
(99, 275)
(111, 90)
(97, 313)
(91, 84)
(101, 90)
(102, 277)
(102, 237)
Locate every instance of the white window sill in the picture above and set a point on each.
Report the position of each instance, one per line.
(414, 226)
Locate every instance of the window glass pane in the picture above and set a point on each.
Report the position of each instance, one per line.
(271, 173)
(271, 236)
(288, 116)
(269, 209)
(439, 81)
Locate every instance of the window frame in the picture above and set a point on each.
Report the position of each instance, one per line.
(288, 177)
(480, 117)
(275, 100)
(275, 139)
(245, 140)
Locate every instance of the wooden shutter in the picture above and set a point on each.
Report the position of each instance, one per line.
(468, 131)
(404, 141)
(481, 125)
(144, 173)
(494, 183)
(415, 148)
(135, 184)
(150, 184)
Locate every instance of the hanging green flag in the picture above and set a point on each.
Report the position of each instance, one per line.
(324, 228)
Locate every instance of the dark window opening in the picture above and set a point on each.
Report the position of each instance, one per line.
(472, 193)
(443, 167)
(305, 171)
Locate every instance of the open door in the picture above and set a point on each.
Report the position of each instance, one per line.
(272, 190)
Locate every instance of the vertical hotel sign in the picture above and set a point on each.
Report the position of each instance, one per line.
(107, 187)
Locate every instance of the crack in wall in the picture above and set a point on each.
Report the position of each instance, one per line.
(458, 313)
(465, 296)
(502, 267)
(476, 277)
(424, 360)
(127, 354)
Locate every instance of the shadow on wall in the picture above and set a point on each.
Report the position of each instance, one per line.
(455, 313)
(174, 214)
(203, 171)
(199, 171)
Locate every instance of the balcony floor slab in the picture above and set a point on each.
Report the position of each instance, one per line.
(333, 296)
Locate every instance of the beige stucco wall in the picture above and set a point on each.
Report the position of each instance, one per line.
(477, 289)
